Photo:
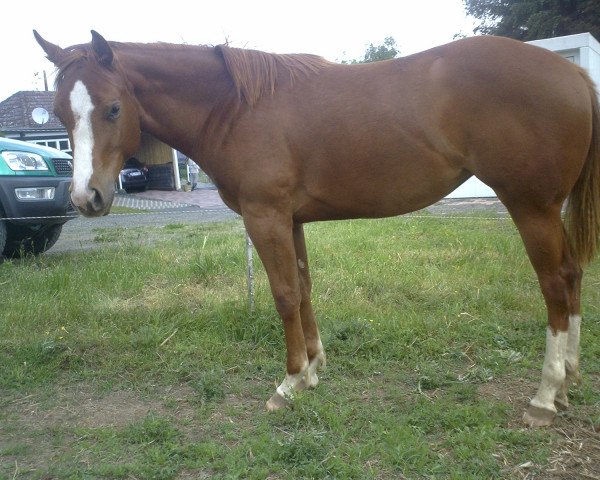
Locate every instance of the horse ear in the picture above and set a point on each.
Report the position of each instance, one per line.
(102, 49)
(53, 52)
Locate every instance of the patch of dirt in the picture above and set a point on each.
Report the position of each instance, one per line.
(193, 475)
(44, 424)
(577, 454)
(515, 392)
(83, 408)
(32, 421)
(576, 442)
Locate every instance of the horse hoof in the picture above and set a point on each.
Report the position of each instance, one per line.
(538, 417)
(575, 378)
(276, 402)
(309, 381)
(561, 404)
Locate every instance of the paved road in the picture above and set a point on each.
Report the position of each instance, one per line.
(204, 205)
(155, 209)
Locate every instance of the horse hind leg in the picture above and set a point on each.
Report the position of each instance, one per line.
(572, 273)
(559, 278)
(312, 338)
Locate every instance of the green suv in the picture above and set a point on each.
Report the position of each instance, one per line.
(34, 197)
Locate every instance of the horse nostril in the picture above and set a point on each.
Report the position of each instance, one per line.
(95, 202)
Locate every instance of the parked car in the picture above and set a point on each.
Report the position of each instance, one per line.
(134, 176)
(34, 197)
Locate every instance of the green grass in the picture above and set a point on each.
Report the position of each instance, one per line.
(143, 361)
(121, 210)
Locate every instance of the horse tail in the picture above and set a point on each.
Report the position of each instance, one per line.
(583, 209)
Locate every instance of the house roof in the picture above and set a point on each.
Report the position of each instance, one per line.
(15, 111)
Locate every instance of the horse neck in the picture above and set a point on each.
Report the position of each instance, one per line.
(177, 88)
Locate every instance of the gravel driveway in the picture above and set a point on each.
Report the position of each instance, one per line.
(79, 233)
(155, 209)
(203, 206)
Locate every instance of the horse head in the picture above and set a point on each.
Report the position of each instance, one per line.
(95, 102)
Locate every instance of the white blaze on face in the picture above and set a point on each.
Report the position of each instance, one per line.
(83, 138)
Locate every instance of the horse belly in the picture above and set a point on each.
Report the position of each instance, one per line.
(377, 187)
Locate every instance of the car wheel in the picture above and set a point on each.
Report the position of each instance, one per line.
(3, 232)
(30, 240)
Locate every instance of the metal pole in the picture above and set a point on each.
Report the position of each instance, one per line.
(176, 169)
(250, 273)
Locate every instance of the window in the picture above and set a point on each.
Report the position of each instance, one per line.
(572, 55)
(62, 144)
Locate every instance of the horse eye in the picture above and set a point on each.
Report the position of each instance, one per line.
(114, 111)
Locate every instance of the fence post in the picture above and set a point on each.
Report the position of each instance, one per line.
(250, 273)
(175, 162)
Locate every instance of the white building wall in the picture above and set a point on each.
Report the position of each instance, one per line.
(582, 49)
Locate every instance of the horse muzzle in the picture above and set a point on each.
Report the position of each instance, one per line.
(91, 202)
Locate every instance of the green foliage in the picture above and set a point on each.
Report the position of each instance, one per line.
(385, 51)
(209, 386)
(534, 19)
(152, 429)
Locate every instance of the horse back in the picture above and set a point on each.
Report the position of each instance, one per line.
(390, 137)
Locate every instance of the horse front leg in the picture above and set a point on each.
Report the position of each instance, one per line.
(272, 236)
(312, 338)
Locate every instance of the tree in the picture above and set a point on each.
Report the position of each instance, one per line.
(382, 52)
(534, 19)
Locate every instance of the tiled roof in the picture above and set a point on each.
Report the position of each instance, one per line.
(15, 111)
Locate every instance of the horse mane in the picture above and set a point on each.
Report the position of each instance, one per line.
(72, 55)
(255, 73)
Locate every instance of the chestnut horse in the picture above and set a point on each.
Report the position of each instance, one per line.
(290, 139)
